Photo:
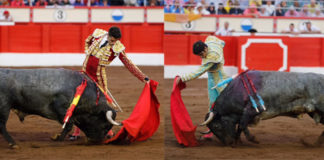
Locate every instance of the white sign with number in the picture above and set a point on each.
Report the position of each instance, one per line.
(188, 26)
(60, 15)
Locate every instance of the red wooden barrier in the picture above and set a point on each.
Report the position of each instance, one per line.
(305, 52)
(69, 38)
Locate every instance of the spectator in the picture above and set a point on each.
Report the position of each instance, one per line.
(160, 2)
(131, 2)
(17, 3)
(95, 3)
(291, 12)
(211, 8)
(225, 31)
(26, 2)
(283, 6)
(321, 2)
(112, 3)
(41, 3)
(256, 3)
(291, 29)
(79, 3)
(236, 8)
(279, 11)
(318, 13)
(290, 3)
(297, 5)
(276, 2)
(6, 17)
(200, 9)
(4, 3)
(52, 3)
(203, 3)
(308, 28)
(177, 8)
(263, 11)
(221, 10)
(312, 6)
(191, 3)
(252, 31)
(269, 7)
(152, 3)
(65, 3)
(104, 3)
(304, 12)
(189, 9)
(229, 5)
(168, 2)
(167, 9)
(251, 11)
(244, 4)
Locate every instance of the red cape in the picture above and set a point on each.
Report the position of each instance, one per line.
(182, 125)
(144, 120)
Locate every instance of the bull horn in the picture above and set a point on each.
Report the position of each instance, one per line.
(109, 118)
(206, 132)
(210, 117)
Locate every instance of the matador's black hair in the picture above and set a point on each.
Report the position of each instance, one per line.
(114, 32)
(198, 47)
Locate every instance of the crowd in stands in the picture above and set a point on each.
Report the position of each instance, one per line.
(21, 3)
(255, 8)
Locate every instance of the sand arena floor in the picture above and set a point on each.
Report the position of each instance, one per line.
(279, 137)
(33, 136)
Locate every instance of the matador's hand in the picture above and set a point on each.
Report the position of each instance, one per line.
(178, 80)
(146, 79)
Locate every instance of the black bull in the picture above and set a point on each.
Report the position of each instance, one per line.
(284, 94)
(48, 93)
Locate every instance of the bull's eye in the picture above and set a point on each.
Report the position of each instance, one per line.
(217, 126)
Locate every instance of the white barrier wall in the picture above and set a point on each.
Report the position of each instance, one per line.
(155, 15)
(241, 24)
(208, 24)
(260, 24)
(81, 15)
(59, 15)
(204, 24)
(18, 14)
(117, 15)
(283, 24)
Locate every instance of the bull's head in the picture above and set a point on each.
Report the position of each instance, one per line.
(222, 127)
(96, 124)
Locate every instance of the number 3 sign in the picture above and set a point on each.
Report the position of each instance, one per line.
(190, 25)
(60, 15)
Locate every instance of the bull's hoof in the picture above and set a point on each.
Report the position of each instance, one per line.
(306, 144)
(238, 141)
(56, 137)
(233, 145)
(253, 140)
(14, 146)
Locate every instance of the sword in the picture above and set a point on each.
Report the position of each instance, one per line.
(114, 101)
(115, 104)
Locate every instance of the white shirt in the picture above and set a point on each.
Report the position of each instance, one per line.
(288, 30)
(203, 11)
(3, 18)
(313, 28)
(314, 15)
(224, 32)
(269, 9)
